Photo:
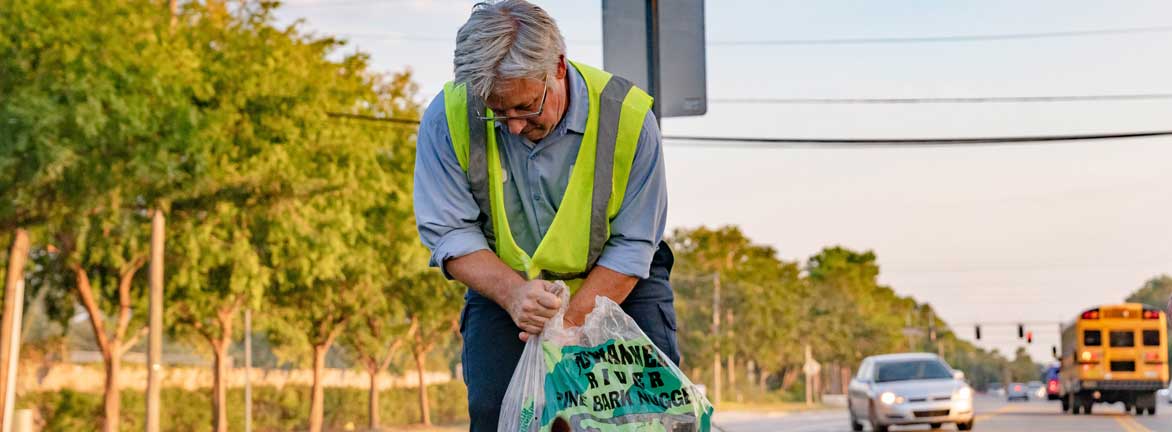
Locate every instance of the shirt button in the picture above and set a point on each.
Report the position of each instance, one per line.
(536, 197)
(533, 156)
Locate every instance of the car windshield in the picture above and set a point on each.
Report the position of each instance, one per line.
(912, 370)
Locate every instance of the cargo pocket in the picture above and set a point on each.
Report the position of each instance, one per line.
(667, 310)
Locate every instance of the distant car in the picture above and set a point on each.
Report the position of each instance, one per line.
(1036, 389)
(906, 389)
(1017, 391)
(1165, 394)
(995, 389)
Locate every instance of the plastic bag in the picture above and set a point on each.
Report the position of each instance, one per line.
(606, 375)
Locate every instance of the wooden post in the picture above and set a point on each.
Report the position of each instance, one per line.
(716, 334)
(247, 370)
(155, 316)
(10, 332)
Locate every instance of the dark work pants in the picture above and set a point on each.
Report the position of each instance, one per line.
(492, 349)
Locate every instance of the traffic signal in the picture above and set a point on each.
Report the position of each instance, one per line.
(978, 332)
(1020, 331)
(1029, 337)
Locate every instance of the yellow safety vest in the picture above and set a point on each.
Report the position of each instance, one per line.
(596, 188)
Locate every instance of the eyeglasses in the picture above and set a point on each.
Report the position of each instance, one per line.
(523, 115)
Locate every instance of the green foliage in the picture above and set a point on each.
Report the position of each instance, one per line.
(1156, 292)
(220, 120)
(273, 409)
(771, 310)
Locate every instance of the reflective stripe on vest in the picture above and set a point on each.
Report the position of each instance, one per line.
(581, 227)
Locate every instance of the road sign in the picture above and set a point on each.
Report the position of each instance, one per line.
(659, 46)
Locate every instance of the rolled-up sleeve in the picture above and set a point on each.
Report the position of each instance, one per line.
(445, 212)
(638, 227)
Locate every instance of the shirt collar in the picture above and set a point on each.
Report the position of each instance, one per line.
(575, 117)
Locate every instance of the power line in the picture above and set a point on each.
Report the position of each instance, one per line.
(946, 100)
(716, 141)
(948, 38)
(395, 120)
(711, 141)
(825, 41)
(312, 4)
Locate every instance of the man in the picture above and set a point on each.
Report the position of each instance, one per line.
(531, 168)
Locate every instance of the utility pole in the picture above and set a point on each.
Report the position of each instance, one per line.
(155, 337)
(907, 326)
(10, 332)
(716, 334)
(732, 355)
(248, 370)
(811, 369)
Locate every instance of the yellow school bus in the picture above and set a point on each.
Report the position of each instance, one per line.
(1114, 353)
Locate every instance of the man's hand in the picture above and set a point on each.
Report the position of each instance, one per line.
(532, 304)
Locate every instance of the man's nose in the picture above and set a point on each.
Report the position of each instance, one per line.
(516, 126)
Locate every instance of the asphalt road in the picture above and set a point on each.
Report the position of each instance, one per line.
(993, 415)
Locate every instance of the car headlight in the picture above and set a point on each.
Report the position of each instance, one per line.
(964, 393)
(887, 398)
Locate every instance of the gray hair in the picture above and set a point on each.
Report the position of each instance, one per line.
(506, 40)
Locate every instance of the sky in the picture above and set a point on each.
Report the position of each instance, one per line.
(984, 234)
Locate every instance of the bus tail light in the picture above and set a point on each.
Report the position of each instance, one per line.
(1152, 357)
(1150, 314)
(1092, 314)
(1089, 357)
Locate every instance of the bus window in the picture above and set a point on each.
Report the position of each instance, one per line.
(1151, 338)
(1122, 339)
(1092, 338)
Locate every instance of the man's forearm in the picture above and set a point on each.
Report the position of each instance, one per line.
(600, 282)
(485, 273)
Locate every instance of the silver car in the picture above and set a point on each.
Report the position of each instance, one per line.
(912, 388)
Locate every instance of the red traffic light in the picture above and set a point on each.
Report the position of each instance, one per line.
(1029, 337)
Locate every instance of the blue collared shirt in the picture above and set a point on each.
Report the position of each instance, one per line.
(536, 178)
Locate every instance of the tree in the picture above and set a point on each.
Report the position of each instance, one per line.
(433, 305)
(1023, 368)
(768, 325)
(1155, 292)
(855, 314)
(721, 255)
(104, 138)
(375, 338)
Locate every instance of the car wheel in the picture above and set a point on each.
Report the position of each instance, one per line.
(855, 425)
(874, 419)
(1152, 410)
(966, 426)
(1139, 410)
(935, 425)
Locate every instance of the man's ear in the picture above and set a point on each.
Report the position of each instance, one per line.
(561, 72)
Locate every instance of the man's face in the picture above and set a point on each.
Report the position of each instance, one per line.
(519, 96)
